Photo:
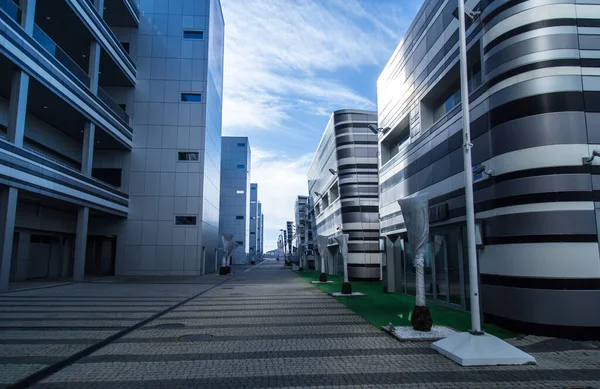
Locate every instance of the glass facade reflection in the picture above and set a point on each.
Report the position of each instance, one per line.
(212, 140)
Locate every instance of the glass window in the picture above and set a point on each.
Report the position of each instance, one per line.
(185, 220)
(240, 242)
(241, 166)
(453, 101)
(188, 156)
(193, 34)
(239, 217)
(239, 191)
(241, 145)
(191, 97)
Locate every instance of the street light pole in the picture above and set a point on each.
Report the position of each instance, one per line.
(474, 348)
(468, 166)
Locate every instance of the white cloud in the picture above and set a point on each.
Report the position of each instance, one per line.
(277, 52)
(280, 180)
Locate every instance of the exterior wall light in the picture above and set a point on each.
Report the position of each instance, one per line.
(588, 160)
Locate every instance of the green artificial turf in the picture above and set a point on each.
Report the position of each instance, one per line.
(381, 308)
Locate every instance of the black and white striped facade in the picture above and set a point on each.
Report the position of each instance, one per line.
(348, 201)
(535, 113)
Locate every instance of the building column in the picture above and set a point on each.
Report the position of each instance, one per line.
(83, 215)
(389, 279)
(8, 210)
(87, 158)
(94, 66)
(27, 15)
(17, 108)
(17, 113)
(99, 5)
(87, 155)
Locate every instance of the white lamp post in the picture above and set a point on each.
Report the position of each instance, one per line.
(474, 347)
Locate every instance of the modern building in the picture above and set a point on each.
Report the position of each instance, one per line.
(259, 251)
(289, 238)
(311, 237)
(534, 102)
(262, 231)
(342, 184)
(253, 220)
(234, 216)
(110, 119)
(303, 231)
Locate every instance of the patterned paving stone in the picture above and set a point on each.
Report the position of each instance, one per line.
(270, 329)
(10, 373)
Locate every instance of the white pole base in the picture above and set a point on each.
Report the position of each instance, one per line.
(481, 350)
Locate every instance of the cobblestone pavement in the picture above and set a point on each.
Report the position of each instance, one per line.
(267, 328)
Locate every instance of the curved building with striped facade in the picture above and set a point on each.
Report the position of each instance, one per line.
(534, 83)
(342, 184)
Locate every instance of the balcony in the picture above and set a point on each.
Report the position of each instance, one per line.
(60, 70)
(121, 13)
(42, 175)
(51, 47)
(116, 108)
(71, 66)
(98, 26)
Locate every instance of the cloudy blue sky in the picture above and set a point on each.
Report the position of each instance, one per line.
(288, 65)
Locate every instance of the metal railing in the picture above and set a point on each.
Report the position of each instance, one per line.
(11, 9)
(105, 97)
(118, 46)
(51, 47)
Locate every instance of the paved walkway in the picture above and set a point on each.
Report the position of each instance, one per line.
(269, 328)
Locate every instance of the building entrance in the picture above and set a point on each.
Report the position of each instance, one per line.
(446, 267)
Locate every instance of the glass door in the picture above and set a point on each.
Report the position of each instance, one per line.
(455, 269)
(440, 255)
(448, 269)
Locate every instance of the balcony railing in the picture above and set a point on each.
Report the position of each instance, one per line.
(11, 9)
(105, 97)
(51, 47)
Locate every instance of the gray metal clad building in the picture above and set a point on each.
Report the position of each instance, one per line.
(253, 221)
(259, 232)
(110, 137)
(534, 96)
(346, 198)
(234, 215)
(301, 220)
